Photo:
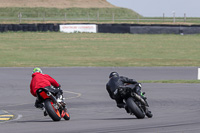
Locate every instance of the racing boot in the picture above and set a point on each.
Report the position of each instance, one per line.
(127, 109)
(121, 105)
(45, 112)
(38, 104)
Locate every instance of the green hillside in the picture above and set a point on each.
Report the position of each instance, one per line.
(15, 10)
(59, 14)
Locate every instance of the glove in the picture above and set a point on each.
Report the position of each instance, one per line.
(115, 92)
(58, 89)
(122, 91)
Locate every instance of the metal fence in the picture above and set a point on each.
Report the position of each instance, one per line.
(24, 17)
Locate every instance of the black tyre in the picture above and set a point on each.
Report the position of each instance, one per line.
(53, 113)
(134, 108)
(149, 114)
(67, 116)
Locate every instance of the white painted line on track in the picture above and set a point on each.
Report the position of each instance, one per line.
(15, 105)
(77, 94)
(5, 111)
(18, 117)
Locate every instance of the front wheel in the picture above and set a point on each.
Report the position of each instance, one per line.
(51, 110)
(134, 108)
(149, 114)
(66, 115)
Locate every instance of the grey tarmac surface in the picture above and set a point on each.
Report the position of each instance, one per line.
(176, 107)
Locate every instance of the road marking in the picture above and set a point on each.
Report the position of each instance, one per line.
(77, 94)
(19, 116)
(6, 117)
(5, 111)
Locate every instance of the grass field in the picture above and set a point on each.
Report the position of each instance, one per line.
(26, 49)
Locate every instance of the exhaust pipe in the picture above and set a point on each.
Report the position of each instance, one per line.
(139, 98)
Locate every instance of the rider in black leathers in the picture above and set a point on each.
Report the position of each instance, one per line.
(117, 82)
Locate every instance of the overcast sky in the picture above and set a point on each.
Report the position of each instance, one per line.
(156, 8)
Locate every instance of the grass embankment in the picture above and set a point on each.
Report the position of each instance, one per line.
(26, 49)
(56, 15)
(84, 15)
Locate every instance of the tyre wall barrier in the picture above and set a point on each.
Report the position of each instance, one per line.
(29, 27)
(154, 30)
(110, 28)
(164, 30)
(148, 29)
(113, 28)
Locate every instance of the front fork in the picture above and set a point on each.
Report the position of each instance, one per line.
(143, 105)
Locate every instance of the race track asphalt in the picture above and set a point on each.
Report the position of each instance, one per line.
(176, 107)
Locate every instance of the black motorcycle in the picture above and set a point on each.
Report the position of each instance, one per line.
(135, 104)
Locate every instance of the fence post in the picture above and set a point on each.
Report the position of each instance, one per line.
(174, 19)
(113, 17)
(184, 17)
(88, 14)
(138, 18)
(97, 16)
(20, 17)
(163, 17)
(43, 16)
(65, 16)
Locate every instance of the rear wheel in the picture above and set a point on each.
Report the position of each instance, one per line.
(134, 108)
(51, 110)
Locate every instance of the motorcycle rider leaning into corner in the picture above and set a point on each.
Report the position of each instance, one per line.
(115, 82)
(40, 80)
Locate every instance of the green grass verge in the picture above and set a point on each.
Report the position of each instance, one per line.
(54, 49)
(171, 81)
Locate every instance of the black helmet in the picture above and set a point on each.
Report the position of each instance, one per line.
(113, 74)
